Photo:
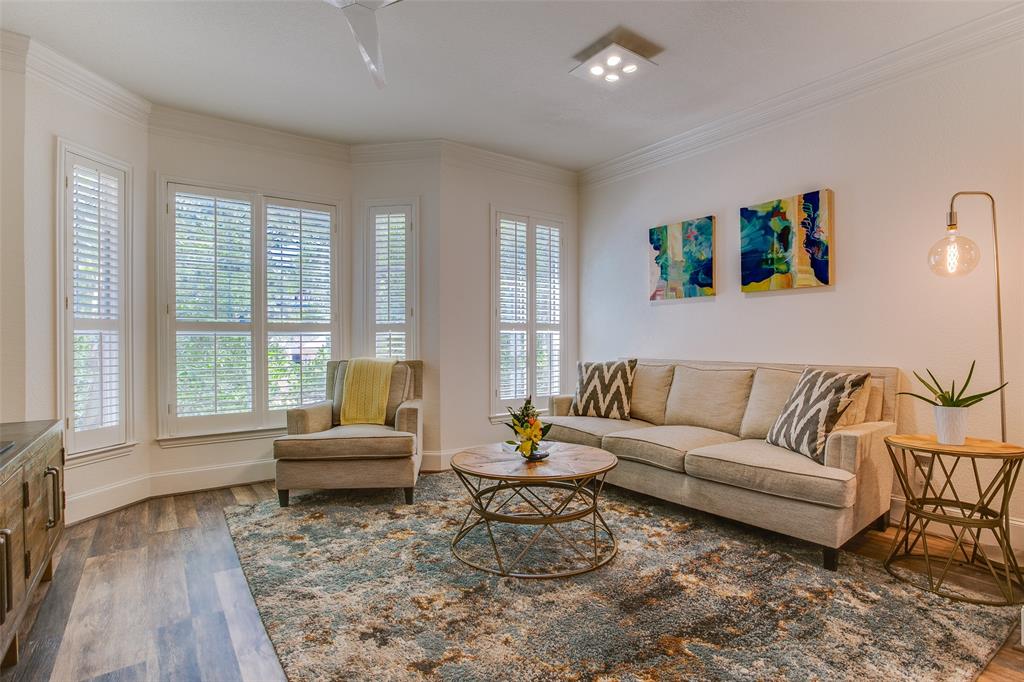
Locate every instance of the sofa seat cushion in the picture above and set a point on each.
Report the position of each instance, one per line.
(761, 467)
(355, 441)
(662, 446)
(587, 430)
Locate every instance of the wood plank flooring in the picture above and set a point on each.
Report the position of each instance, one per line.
(155, 592)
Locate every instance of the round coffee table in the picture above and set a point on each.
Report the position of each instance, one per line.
(559, 495)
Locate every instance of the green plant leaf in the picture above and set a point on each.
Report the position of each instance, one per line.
(919, 397)
(937, 384)
(968, 381)
(931, 388)
(977, 397)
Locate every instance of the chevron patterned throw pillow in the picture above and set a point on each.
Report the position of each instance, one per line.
(818, 400)
(603, 389)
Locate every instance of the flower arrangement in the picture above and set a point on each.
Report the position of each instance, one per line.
(529, 431)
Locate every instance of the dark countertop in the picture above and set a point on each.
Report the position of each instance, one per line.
(23, 434)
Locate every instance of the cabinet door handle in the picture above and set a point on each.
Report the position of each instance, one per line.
(54, 515)
(8, 571)
(3, 577)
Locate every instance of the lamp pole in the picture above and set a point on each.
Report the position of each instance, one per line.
(951, 224)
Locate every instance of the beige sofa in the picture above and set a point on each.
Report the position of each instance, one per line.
(697, 438)
(320, 453)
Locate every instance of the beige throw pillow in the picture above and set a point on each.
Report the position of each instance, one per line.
(768, 394)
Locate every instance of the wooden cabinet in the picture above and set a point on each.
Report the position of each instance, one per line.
(31, 519)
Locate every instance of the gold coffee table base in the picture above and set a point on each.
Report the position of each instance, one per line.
(573, 500)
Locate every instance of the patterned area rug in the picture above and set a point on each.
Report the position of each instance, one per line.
(356, 586)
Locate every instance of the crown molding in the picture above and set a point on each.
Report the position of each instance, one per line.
(76, 80)
(984, 34)
(462, 155)
(13, 51)
(467, 156)
(180, 124)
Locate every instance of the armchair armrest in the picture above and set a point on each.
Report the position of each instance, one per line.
(409, 418)
(311, 418)
(560, 405)
(849, 447)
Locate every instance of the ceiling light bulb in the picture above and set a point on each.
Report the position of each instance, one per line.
(597, 70)
(629, 68)
(612, 77)
(614, 60)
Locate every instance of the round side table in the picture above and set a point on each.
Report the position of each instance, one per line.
(988, 469)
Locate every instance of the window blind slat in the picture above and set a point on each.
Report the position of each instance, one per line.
(214, 373)
(297, 368)
(390, 280)
(298, 264)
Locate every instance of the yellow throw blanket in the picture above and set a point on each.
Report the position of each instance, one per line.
(367, 384)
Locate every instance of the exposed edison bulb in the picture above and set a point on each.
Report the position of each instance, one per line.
(597, 70)
(953, 255)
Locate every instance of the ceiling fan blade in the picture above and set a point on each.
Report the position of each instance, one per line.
(363, 23)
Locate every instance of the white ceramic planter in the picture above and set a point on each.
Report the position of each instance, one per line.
(951, 425)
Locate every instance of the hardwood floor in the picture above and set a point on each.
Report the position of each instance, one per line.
(155, 591)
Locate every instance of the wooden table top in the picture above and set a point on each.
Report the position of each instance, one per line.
(972, 447)
(567, 461)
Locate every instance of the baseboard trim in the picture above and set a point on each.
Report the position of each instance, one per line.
(104, 499)
(438, 460)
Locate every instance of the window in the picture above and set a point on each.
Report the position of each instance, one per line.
(392, 262)
(253, 320)
(527, 310)
(94, 236)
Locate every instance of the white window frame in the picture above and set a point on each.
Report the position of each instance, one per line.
(169, 425)
(412, 259)
(84, 443)
(532, 219)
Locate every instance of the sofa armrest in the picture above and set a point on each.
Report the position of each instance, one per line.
(311, 418)
(409, 418)
(560, 405)
(848, 447)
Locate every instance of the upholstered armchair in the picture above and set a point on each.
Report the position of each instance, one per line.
(320, 453)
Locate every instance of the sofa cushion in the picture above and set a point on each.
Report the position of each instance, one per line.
(603, 389)
(759, 466)
(587, 430)
(711, 398)
(768, 395)
(650, 392)
(662, 446)
(811, 413)
(857, 412)
(397, 394)
(355, 441)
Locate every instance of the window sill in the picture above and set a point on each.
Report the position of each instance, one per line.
(78, 459)
(224, 437)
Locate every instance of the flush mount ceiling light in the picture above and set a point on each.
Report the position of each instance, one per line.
(613, 66)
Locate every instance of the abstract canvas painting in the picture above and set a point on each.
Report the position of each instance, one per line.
(787, 243)
(682, 259)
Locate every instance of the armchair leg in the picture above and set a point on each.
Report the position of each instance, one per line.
(282, 497)
(881, 523)
(409, 494)
(830, 558)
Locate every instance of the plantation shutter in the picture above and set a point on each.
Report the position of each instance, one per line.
(548, 310)
(513, 316)
(213, 343)
(95, 220)
(298, 258)
(391, 308)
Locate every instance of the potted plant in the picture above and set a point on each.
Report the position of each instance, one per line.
(951, 406)
(529, 431)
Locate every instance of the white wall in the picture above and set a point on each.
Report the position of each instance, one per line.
(893, 156)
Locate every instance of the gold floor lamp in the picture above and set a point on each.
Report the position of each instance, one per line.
(955, 255)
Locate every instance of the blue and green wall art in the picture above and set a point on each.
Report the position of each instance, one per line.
(682, 259)
(787, 243)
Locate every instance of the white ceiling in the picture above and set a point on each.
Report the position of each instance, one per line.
(489, 73)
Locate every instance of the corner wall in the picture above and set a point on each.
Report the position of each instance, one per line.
(893, 156)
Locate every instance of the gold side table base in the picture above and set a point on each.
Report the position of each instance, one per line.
(986, 510)
(575, 500)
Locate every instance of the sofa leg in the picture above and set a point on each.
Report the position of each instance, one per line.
(830, 558)
(881, 523)
(409, 494)
(282, 497)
